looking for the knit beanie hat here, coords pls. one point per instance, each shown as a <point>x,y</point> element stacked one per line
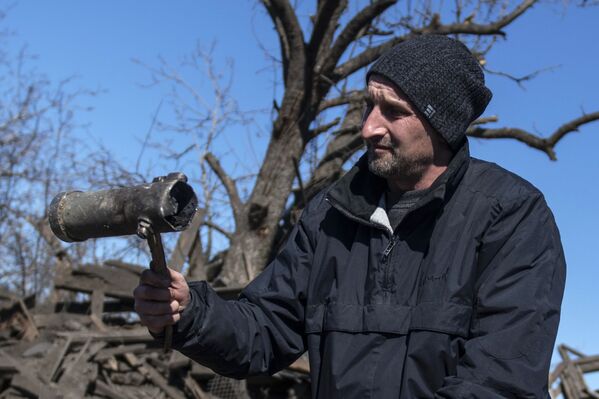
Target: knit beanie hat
<point>442,79</point>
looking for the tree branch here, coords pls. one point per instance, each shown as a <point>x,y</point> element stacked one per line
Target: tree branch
<point>288,29</point>
<point>572,126</point>
<point>520,80</point>
<point>218,228</point>
<point>346,141</point>
<point>325,24</point>
<point>352,31</point>
<point>352,96</point>
<point>300,182</point>
<point>323,128</point>
<point>483,120</point>
<point>546,145</point>
<point>42,225</point>
<point>364,58</point>
<point>465,27</point>
<point>228,183</point>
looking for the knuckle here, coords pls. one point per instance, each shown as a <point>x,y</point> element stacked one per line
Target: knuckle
<point>138,291</point>
<point>151,322</point>
<point>146,274</point>
<point>140,307</point>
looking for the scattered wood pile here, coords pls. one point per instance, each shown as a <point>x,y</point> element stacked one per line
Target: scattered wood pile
<point>91,345</point>
<point>567,379</point>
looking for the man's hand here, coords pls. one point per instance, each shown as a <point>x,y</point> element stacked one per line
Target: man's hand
<point>160,300</point>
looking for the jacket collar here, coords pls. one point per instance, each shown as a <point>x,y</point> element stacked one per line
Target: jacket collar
<point>358,193</point>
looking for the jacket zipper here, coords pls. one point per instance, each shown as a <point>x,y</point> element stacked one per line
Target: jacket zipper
<point>386,264</point>
<point>388,249</point>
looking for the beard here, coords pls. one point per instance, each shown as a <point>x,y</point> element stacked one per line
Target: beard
<point>397,163</point>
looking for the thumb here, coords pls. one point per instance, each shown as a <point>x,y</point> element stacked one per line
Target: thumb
<point>175,276</point>
<point>179,288</point>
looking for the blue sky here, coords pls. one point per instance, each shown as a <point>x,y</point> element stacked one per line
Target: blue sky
<point>97,41</point>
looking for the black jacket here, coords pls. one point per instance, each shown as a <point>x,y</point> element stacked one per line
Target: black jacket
<point>461,301</point>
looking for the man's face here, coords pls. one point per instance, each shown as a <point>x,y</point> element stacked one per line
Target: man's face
<point>400,142</point>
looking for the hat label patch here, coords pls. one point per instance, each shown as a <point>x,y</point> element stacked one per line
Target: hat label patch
<point>429,111</point>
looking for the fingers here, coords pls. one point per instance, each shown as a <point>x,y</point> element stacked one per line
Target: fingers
<point>156,324</point>
<point>150,277</point>
<point>150,308</point>
<point>160,299</point>
<point>154,279</point>
<point>151,293</point>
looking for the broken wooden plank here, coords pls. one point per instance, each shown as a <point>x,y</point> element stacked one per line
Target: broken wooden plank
<point>98,322</point>
<point>33,387</point>
<point>97,302</point>
<point>83,307</point>
<point>152,374</point>
<point>54,369</point>
<point>25,379</point>
<point>119,350</point>
<point>118,336</point>
<point>115,283</point>
<point>161,382</point>
<point>194,388</point>
<point>130,267</point>
<point>104,389</point>
<point>15,317</point>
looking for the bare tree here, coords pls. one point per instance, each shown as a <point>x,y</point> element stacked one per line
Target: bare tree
<point>40,156</point>
<point>320,107</point>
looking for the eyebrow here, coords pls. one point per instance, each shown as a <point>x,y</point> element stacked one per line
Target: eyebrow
<point>380,95</point>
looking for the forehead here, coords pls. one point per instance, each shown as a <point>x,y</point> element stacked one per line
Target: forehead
<point>382,88</point>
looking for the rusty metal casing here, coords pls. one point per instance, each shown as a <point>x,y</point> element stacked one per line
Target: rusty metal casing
<point>168,203</point>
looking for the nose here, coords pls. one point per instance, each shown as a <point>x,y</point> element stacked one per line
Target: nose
<point>373,124</point>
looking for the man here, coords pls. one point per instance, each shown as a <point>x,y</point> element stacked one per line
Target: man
<point>421,273</point>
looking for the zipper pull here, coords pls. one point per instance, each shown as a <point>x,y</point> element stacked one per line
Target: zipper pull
<point>389,248</point>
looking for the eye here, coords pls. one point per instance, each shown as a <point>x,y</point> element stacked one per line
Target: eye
<point>393,112</point>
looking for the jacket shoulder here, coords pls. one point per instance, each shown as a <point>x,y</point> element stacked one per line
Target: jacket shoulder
<point>497,183</point>
<point>315,212</point>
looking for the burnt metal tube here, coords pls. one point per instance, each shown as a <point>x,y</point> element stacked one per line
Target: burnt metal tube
<point>168,204</point>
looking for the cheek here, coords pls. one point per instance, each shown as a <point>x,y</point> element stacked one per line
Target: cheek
<point>411,133</point>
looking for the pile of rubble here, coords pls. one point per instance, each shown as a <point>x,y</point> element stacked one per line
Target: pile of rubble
<point>567,379</point>
<point>91,345</point>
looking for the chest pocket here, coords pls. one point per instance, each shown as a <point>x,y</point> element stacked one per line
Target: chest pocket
<point>444,317</point>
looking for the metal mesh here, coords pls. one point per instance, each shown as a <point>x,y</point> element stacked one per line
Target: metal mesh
<point>227,388</point>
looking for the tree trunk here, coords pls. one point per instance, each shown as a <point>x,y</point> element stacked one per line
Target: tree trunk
<point>254,236</point>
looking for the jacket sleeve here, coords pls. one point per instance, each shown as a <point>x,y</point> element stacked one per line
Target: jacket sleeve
<point>517,306</point>
<point>262,331</point>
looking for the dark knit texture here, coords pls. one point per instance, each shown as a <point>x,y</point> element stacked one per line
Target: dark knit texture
<point>441,78</point>
<point>399,204</point>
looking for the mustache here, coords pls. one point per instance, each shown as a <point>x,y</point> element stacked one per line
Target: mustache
<point>384,141</point>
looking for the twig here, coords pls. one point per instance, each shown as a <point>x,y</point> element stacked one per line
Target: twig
<point>520,80</point>
<point>546,145</point>
<point>147,138</point>
<point>229,184</point>
<point>220,229</point>
<point>434,27</point>
<point>299,181</point>
<point>323,128</point>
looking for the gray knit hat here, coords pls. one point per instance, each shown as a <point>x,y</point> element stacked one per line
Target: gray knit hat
<point>442,79</point>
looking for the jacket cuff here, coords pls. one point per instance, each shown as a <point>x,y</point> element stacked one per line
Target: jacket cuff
<point>192,317</point>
